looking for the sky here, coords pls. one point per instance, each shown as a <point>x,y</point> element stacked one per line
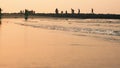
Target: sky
<point>48,6</point>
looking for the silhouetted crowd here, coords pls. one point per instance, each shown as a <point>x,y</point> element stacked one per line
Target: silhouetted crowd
<point>72,11</point>
<point>27,12</point>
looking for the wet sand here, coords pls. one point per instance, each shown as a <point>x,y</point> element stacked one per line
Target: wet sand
<point>28,47</point>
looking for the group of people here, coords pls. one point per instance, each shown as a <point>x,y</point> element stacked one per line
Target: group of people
<point>26,13</point>
<point>72,11</point>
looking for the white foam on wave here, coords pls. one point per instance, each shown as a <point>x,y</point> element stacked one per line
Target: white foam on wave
<point>73,29</point>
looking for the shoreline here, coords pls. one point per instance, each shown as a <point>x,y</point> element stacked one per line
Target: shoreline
<point>42,48</point>
<point>77,16</point>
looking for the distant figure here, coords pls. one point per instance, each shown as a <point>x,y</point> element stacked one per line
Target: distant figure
<point>78,11</point>
<point>56,11</point>
<point>21,12</point>
<point>26,14</point>
<point>0,13</point>
<point>61,12</point>
<point>72,11</point>
<point>66,12</point>
<point>92,11</point>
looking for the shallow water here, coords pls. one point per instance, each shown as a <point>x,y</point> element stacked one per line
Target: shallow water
<point>108,28</point>
<point>59,43</point>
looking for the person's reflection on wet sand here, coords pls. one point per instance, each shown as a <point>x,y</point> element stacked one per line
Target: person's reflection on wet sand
<point>0,21</point>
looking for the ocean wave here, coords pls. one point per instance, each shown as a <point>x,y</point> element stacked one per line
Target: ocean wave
<point>74,29</point>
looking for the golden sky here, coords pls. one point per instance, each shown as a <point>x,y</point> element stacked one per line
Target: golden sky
<point>48,6</point>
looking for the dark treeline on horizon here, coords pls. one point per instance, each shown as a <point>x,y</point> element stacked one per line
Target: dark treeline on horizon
<point>61,14</point>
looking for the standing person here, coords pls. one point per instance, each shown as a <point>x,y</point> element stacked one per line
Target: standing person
<point>56,11</point>
<point>26,14</point>
<point>66,12</point>
<point>61,12</point>
<point>92,11</point>
<point>0,13</point>
<point>72,11</point>
<point>78,11</point>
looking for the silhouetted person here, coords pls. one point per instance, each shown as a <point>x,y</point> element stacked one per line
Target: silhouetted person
<point>61,12</point>
<point>56,11</point>
<point>0,13</point>
<point>92,11</point>
<point>66,12</point>
<point>26,14</point>
<point>78,11</point>
<point>72,11</point>
<point>21,11</point>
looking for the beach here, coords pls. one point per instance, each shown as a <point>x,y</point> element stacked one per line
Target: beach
<point>59,43</point>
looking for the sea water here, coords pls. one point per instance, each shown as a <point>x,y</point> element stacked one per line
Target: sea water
<point>108,28</point>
